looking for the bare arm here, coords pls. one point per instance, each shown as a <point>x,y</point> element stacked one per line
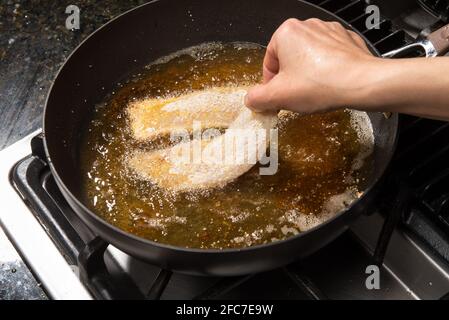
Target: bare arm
<point>414,86</point>
<point>315,66</point>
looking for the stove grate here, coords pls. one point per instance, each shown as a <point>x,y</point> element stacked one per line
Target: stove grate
<point>384,37</point>
<point>439,8</point>
<point>422,161</point>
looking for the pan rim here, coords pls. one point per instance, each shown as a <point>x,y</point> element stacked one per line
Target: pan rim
<point>165,246</point>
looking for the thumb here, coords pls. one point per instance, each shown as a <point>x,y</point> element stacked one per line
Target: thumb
<point>266,97</point>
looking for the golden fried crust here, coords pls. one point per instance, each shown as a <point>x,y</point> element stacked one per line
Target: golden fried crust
<point>163,168</point>
<point>214,108</point>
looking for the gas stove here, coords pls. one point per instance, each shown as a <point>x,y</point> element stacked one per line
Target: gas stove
<point>405,239</point>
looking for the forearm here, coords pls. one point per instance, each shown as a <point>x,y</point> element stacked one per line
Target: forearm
<point>316,66</point>
<point>414,86</point>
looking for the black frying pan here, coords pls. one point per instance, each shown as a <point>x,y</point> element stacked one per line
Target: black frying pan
<point>143,35</point>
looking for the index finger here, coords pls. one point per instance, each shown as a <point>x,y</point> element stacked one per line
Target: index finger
<point>270,62</point>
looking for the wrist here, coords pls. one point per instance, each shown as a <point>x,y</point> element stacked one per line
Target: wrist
<point>389,85</point>
<point>368,89</point>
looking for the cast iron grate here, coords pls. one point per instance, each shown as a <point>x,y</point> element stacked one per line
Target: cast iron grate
<point>384,37</point>
<point>421,161</point>
<point>439,8</point>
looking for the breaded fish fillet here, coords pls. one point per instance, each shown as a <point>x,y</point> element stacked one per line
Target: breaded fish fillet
<point>164,167</point>
<point>214,108</point>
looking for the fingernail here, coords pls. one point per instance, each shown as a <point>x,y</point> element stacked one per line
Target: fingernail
<point>245,101</point>
<point>248,105</point>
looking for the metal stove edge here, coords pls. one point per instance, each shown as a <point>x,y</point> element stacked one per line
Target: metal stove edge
<point>28,236</point>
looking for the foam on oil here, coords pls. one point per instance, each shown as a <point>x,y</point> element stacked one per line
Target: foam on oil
<point>322,162</point>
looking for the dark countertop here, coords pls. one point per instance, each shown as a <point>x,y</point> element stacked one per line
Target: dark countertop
<point>34,42</point>
<point>16,280</point>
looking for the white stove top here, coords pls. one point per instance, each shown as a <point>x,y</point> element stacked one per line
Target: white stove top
<point>410,270</point>
<point>28,236</point>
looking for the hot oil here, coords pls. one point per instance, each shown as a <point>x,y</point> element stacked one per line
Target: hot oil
<point>316,176</point>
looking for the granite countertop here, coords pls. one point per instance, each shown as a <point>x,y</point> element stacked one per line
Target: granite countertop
<point>34,42</point>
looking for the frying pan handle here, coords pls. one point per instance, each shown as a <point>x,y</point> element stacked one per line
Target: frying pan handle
<point>440,40</point>
<point>436,44</point>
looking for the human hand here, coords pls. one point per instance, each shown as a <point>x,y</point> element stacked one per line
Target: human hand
<point>311,66</point>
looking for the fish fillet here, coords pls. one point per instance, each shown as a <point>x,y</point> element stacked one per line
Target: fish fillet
<point>214,108</point>
<point>170,171</point>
